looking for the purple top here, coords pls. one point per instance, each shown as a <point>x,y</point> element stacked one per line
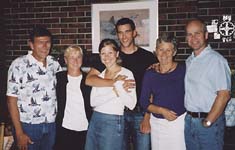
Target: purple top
<point>167,90</point>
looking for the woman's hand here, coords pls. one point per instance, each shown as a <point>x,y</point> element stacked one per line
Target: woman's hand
<point>145,124</point>
<point>168,114</point>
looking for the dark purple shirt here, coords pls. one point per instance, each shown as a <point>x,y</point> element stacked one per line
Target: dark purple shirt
<point>167,90</point>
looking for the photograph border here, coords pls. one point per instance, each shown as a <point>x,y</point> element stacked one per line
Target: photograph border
<point>152,5</point>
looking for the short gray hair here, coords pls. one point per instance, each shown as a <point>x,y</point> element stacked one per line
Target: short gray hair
<point>167,37</point>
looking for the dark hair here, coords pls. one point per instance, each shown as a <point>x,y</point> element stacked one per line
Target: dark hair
<point>202,22</point>
<point>167,37</point>
<point>106,42</point>
<point>124,21</point>
<point>39,31</point>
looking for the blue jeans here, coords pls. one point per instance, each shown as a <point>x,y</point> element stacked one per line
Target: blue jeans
<point>132,132</point>
<point>198,137</point>
<point>105,132</point>
<point>43,135</point>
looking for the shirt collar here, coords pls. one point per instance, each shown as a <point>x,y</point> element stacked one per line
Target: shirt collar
<point>204,52</point>
<point>35,61</point>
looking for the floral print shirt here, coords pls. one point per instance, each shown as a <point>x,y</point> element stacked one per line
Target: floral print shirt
<point>34,86</point>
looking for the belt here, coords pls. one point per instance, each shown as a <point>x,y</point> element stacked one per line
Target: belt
<point>137,109</point>
<point>197,114</point>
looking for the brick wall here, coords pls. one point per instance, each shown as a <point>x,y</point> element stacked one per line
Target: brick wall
<point>70,22</point>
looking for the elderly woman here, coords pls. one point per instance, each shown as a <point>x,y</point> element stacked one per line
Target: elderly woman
<point>106,128</point>
<point>165,84</point>
<point>73,97</point>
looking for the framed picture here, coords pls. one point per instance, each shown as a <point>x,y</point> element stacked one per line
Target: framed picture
<point>143,13</point>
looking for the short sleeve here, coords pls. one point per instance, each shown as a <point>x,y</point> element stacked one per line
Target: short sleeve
<point>14,79</point>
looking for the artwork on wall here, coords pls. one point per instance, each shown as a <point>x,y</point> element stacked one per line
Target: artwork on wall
<point>224,30</point>
<point>143,13</point>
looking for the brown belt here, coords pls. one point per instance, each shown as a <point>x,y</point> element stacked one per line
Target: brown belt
<point>197,114</point>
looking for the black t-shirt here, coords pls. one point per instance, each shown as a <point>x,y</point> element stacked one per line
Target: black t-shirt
<point>137,62</point>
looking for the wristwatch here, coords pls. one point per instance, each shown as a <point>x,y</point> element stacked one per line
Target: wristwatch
<point>206,123</point>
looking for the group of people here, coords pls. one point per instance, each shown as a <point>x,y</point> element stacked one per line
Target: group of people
<point>126,98</point>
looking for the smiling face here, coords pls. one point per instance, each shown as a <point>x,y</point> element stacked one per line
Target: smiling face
<point>41,47</point>
<point>165,52</point>
<point>108,56</point>
<point>74,60</point>
<point>196,36</point>
<point>126,35</point>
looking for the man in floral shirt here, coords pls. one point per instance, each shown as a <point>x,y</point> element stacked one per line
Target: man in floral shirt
<point>31,94</point>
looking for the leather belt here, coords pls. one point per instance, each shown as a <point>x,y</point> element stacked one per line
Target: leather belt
<point>137,109</point>
<point>197,114</point>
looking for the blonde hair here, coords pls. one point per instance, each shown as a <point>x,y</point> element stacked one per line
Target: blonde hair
<point>73,48</point>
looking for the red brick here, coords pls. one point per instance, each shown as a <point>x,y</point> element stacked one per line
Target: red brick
<point>182,4</point>
<point>58,3</point>
<point>203,11</point>
<point>167,10</point>
<point>84,19</point>
<point>65,41</point>
<point>76,3</point>
<point>18,10</point>
<point>206,4</point>
<point>76,14</point>
<point>67,9</point>
<point>167,22</point>
<point>176,28</point>
<point>219,11</point>
<point>59,25</point>
<point>52,20</point>
<point>51,9</point>
<point>80,36</point>
<point>88,35</point>
<point>42,4</point>
<point>20,42</point>
<point>68,20</point>
<point>85,30</point>
<point>177,16</point>
<point>59,14</point>
<point>71,30</point>
<point>228,45</point>
<point>76,25</point>
<point>186,9</point>
<point>34,9</point>
<point>26,4</point>
<point>43,15</point>
<point>227,3</point>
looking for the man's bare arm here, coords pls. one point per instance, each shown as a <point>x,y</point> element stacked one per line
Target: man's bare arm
<point>219,105</point>
<point>14,112</point>
<point>22,139</point>
<point>94,80</point>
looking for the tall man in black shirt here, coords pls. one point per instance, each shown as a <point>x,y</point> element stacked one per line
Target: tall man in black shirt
<point>136,59</point>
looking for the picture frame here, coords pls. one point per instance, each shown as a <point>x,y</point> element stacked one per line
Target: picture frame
<point>143,13</point>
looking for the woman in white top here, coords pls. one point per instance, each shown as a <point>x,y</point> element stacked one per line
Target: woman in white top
<point>73,99</point>
<point>106,127</point>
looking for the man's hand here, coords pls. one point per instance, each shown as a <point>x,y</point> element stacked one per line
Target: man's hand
<point>120,77</point>
<point>145,124</point>
<point>22,141</point>
<point>154,66</point>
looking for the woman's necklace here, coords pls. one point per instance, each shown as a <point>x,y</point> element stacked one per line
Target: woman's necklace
<point>169,70</point>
